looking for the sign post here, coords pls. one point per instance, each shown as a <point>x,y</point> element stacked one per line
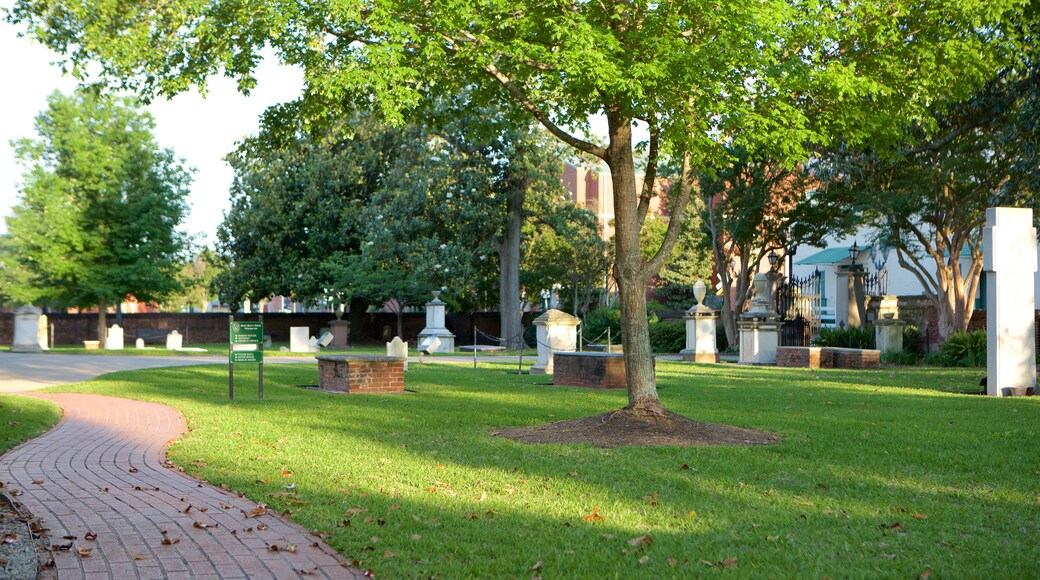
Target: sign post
<point>247,334</point>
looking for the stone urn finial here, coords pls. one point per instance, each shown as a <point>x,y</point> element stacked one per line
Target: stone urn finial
<point>698,292</point>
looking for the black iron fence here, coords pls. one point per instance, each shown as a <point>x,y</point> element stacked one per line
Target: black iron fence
<point>799,301</point>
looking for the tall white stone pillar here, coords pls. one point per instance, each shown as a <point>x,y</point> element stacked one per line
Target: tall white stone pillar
<point>1009,260</point>
<point>26,329</point>
<point>557,331</point>
<point>435,312</point>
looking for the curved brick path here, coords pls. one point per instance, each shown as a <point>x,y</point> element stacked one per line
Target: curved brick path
<point>101,470</point>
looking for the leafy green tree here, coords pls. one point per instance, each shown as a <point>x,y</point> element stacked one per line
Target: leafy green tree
<point>929,203</point>
<point>778,74</point>
<point>97,217</point>
<point>296,208</point>
<point>750,204</point>
<point>196,276</point>
<point>691,259</point>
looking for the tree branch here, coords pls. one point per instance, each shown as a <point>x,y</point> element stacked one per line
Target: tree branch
<point>651,171</point>
<point>675,223</point>
<point>543,118</point>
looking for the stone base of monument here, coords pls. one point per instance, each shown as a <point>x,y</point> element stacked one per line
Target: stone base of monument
<point>360,374</point>
<point>1020,391</point>
<point>92,344</point>
<point>591,370</point>
<point>26,348</point>
<point>700,357</point>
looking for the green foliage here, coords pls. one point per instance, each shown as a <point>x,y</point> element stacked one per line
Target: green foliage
<point>668,337</point>
<point>846,337</point>
<point>912,340</point>
<point>900,357</point>
<point>100,204</point>
<point>938,359</point>
<point>197,280</point>
<point>966,348</point>
<point>596,323</point>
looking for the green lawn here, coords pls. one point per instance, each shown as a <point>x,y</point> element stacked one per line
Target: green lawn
<point>22,418</point>
<point>880,473</point>
<point>272,351</point>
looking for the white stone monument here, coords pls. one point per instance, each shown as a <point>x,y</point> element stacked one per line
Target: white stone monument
<point>1009,260</point>
<point>298,336</point>
<point>557,331</point>
<point>435,325</point>
<point>114,338</point>
<point>174,341</point>
<point>139,343</point>
<point>700,330</point>
<point>888,333</point>
<point>398,348</point>
<point>26,329</point>
<point>759,329</point>
<point>42,333</point>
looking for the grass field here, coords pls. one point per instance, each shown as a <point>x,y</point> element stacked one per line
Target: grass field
<point>271,351</point>
<point>22,418</point>
<point>888,473</point>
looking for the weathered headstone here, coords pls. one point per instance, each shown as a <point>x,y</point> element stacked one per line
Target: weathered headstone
<point>139,343</point>
<point>312,344</point>
<point>26,329</point>
<point>114,338</point>
<point>398,348</point>
<point>700,329</point>
<point>174,340</point>
<point>1009,260</point>
<point>298,336</point>
<point>435,325</point>
<point>557,331</point>
<point>340,332</point>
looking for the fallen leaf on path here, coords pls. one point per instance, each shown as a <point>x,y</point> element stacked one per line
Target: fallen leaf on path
<point>38,481</point>
<point>91,536</point>
<point>133,470</point>
<point>204,525</point>
<point>83,551</point>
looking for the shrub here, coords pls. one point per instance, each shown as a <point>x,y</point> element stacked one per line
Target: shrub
<point>912,340</point>
<point>721,342</point>
<point>846,337</point>
<point>966,349</point>
<point>937,359</point>
<point>596,323</point>
<point>900,357</point>
<point>668,337</point>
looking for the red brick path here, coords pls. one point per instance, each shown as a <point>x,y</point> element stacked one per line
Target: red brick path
<point>118,444</point>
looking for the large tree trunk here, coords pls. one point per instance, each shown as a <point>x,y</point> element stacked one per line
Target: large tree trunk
<point>102,325</point>
<point>628,269</point>
<point>509,276</point>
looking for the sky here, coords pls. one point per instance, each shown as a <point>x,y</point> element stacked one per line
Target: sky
<point>201,131</point>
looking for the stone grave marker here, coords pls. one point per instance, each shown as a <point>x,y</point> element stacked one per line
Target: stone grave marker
<point>298,336</point>
<point>398,348</point>
<point>114,338</point>
<point>174,340</point>
<point>26,329</point>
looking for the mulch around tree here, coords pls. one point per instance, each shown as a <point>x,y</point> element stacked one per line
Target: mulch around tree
<point>626,427</point>
<point>23,543</point>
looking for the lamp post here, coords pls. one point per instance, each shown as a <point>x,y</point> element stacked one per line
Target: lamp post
<point>854,254</point>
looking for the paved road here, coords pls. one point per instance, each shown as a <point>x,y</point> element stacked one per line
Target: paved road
<point>25,371</point>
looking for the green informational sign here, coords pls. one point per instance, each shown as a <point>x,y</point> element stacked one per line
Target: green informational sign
<point>247,356</point>
<point>247,333</point>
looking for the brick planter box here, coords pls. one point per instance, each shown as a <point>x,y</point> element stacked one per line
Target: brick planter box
<point>592,370</point>
<point>827,357</point>
<point>360,374</point>
<point>798,356</point>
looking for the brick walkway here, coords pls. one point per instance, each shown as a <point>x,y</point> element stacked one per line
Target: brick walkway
<point>101,471</point>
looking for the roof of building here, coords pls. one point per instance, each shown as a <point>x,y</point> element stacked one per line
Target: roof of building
<point>831,256</point>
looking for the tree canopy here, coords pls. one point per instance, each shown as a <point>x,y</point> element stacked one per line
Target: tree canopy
<point>776,75</point>
<point>99,208</point>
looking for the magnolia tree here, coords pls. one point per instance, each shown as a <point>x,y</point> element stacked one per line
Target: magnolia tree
<point>782,74</point>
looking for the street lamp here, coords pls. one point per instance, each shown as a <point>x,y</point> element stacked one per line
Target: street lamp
<point>772,257</point>
<point>854,252</point>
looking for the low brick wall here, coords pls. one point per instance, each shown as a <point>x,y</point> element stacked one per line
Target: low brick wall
<point>360,374</point>
<point>592,370</point>
<point>827,357</point>
<point>798,356</point>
